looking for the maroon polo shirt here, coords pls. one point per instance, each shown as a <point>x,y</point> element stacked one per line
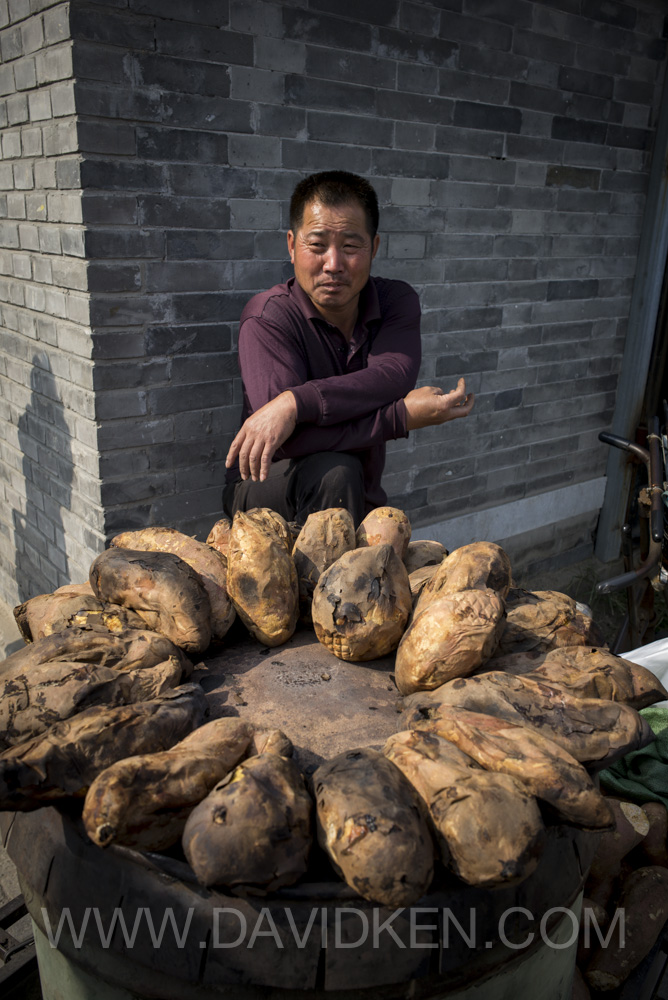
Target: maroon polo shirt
<point>349,395</point>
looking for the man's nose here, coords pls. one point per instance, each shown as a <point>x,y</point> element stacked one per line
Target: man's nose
<point>333,259</point>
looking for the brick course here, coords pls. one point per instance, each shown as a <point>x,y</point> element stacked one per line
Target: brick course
<point>148,154</point>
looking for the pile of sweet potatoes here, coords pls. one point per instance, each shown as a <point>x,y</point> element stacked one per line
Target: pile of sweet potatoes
<point>510,702</point>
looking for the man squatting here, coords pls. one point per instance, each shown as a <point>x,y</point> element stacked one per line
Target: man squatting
<point>329,361</point>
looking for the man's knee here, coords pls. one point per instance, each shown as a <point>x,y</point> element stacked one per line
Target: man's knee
<point>343,472</point>
<point>331,479</point>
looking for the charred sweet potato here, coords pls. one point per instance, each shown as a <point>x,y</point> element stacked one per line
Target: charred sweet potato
<point>361,604</point>
<point>266,740</point>
<point>207,563</point>
<point>71,607</point>
<point>372,825</point>
<point>144,801</point>
<point>631,826</point>
<point>274,523</point>
<point>515,663</point>
<point>644,902</point>
<point>254,828</point>
<point>129,649</point>
<point>65,760</point>
<point>450,638</point>
<point>34,700</point>
<point>326,535</point>
<point>542,620</point>
<point>385,526</point>
<point>418,580</point>
<point>219,536</point>
<point>423,553</point>
<point>488,825</point>
<point>478,566</point>
<point>547,771</point>
<point>262,579</point>
<point>593,731</point>
<point>654,845</point>
<point>591,672</point>
<point>167,593</point>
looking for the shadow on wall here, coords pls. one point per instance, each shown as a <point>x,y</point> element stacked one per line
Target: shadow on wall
<point>39,535</point>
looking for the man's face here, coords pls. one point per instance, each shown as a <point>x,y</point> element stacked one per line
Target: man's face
<point>332,252</point>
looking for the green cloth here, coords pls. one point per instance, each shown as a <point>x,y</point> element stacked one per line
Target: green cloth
<point>642,775</point>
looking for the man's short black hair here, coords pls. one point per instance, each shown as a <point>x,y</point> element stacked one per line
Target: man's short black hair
<point>334,187</point>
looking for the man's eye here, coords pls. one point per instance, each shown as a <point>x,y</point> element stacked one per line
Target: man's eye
<point>317,246</point>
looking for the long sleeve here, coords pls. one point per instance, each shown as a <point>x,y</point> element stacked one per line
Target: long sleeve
<point>391,371</point>
<point>386,424</point>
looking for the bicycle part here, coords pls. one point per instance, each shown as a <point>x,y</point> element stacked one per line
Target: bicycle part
<point>655,487</point>
<point>652,462</point>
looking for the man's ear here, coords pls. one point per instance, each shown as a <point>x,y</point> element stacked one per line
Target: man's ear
<point>376,244</point>
<point>291,245</point>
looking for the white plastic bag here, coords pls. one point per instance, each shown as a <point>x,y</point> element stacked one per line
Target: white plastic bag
<point>654,656</point>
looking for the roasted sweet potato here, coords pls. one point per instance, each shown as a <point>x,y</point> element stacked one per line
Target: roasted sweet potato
<point>262,579</point>
<point>489,825</point>
<point>270,741</point>
<point>254,828</point>
<point>547,771</point>
<point>144,801</point>
<point>644,902</point>
<point>631,826</point>
<point>326,535</point>
<point>418,580</point>
<point>65,760</point>
<point>167,593</point>
<point>596,673</point>
<point>385,526</point>
<point>478,566</point>
<point>593,731</point>
<point>273,522</point>
<point>423,553</point>
<point>545,619</point>
<point>207,563</point>
<point>515,663</point>
<point>32,701</point>
<point>129,649</point>
<point>372,825</point>
<point>71,607</point>
<point>450,638</point>
<point>219,536</point>
<point>654,845</point>
<point>361,604</point>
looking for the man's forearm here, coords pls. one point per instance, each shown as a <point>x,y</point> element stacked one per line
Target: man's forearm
<point>387,424</point>
<point>327,402</point>
<point>261,434</point>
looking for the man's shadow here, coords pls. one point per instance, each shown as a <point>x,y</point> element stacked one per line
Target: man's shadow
<point>44,438</point>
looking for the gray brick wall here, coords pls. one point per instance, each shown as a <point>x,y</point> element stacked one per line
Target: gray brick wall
<point>509,144</point>
<point>51,516</point>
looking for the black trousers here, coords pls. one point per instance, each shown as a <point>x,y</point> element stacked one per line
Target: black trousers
<point>296,488</point>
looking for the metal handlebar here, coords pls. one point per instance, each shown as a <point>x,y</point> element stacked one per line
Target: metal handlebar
<point>651,459</point>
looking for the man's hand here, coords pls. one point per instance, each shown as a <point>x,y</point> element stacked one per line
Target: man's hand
<point>261,434</point>
<point>429,405</point>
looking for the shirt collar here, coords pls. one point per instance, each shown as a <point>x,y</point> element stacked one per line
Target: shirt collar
<point>369,307</point>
